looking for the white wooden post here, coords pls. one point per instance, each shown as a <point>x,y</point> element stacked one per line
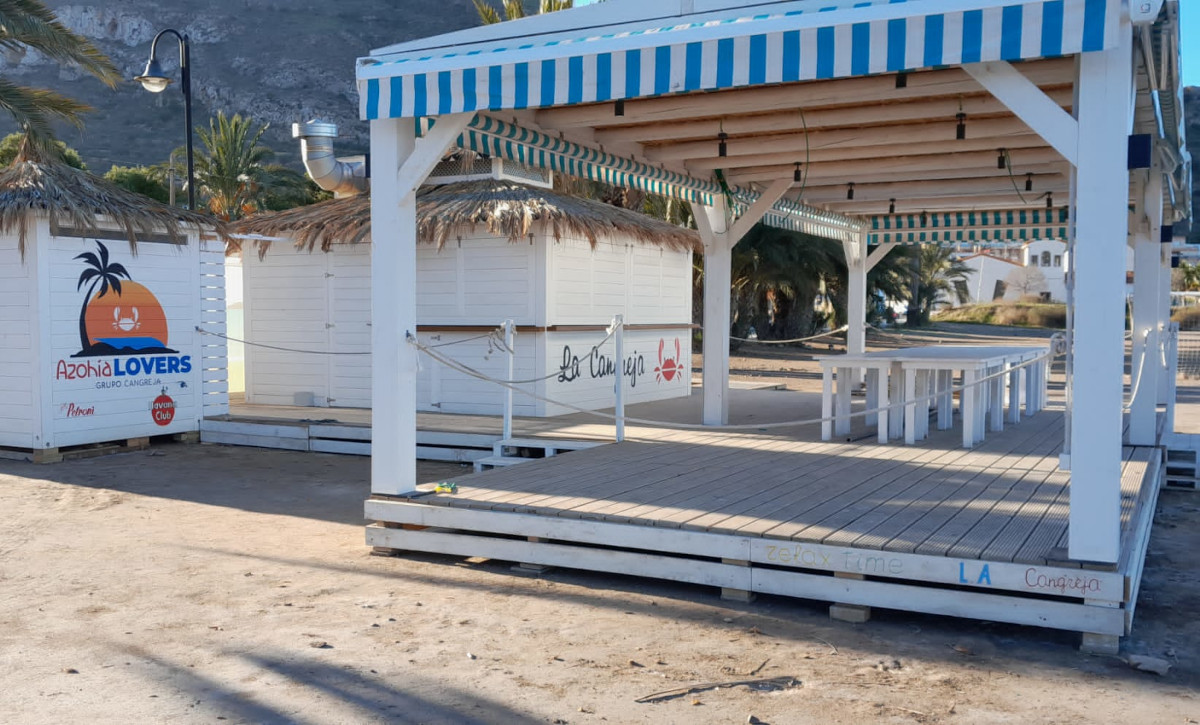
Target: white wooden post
<point>856,298</point>
<point>618,326</point>
<point>510,344</point>
<point>1146,358</point>
<point>393,311</point>
<point>1103,111</point>
<point>400,164</point>
<point>718,256</point>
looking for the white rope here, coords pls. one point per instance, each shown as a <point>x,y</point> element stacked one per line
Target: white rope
<point>841,329</point>
<point>465,369</point>
<point>1056,349</point>
<point>202,331</point>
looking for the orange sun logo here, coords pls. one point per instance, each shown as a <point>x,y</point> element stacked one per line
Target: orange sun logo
<point>118,316</point>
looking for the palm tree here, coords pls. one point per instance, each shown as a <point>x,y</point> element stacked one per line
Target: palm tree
<point>939,277</point>
<point>1190,274</point>
<point>99,272</point>
<point>29,24</point>
<point>515,9</point>
<point>230,171</point>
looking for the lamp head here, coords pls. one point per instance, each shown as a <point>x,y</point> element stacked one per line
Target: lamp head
<point>153,79</point>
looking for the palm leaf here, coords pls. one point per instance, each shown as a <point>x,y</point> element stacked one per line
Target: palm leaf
<point>487,13</point>
<point>118,270</point>
<point>103,257</point>
<point>34,109</point>
<point>115,283</point>
<point>87,275</point>
<point>91,259</point>
<point>32,24</point>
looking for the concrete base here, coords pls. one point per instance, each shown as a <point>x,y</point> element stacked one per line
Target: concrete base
<point>1100,644</point>
<point>524,568</point>
<point>384,551</point>
<point>738,595</point>
<point>851,613</point>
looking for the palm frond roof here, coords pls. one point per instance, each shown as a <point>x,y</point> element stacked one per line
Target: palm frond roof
<point>38,183</point>
<point>504,208</point>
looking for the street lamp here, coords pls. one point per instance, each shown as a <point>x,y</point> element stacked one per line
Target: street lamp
<point>154,80</point>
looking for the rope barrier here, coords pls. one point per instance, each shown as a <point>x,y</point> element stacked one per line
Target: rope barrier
<point>1057,348</point>
<point>202,331</point>
<point>840,330</point>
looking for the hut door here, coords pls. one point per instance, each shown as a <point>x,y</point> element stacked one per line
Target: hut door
<point>348,276</point>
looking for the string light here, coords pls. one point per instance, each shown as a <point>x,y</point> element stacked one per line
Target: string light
<point>1002,160</point>
<point>960,133</point>
<point>902,80</point>
<point>797,176</point>
<point>1029,181</point>
<point>850,190</point>
<point>1049,200</point>
<point>891,206</point>
<point>619,107</point>
<point>722,147</point>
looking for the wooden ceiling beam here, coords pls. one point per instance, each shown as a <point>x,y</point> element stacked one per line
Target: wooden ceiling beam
<point>950,82</point>
<point>831,174</point>
<point>791,120</point>
<point>1019,158</point>
<point>917,204</point>
<point>703,165</point>
<point>995,131</point>
<point>932,189</point>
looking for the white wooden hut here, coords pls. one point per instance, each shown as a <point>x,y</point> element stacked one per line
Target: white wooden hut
<point>494,248</point>
<point>101,294</point>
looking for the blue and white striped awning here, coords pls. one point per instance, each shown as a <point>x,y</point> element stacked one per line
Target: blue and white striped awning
<point>736,47</point>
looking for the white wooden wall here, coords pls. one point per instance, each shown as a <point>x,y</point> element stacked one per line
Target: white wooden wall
<point>318,301</point>
<point>19,365</point>
<point>286,299</point>
<point>117,402</point>
<point>658,365</point>
<point>214,351</point>
<point>646,284</point>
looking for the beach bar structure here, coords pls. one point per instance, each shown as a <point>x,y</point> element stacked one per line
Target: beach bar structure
<point>869,121</point>
<point>101,294</point>
<point>494,248</point>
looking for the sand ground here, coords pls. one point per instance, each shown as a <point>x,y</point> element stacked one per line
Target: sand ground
<point>206,584</point>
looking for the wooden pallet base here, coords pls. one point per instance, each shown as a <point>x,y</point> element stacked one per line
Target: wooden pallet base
<point>67,453</point>
<point>697,559</point>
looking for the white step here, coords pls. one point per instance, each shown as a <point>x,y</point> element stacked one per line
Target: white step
<point>550,445</point>
<point>489,462</point>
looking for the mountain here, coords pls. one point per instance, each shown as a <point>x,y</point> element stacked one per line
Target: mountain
<point>280,61</point>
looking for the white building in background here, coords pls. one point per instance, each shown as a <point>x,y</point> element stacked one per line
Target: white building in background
<point>1049,257</point>
<point>987,281</point>
<point>1039,271</point>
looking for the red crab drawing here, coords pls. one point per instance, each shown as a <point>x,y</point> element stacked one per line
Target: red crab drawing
<point>669,368</point>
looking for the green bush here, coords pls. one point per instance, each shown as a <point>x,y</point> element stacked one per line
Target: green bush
<point>1187,317</point>
<point>1050,315</point>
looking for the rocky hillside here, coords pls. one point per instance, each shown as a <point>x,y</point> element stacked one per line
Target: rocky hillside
<point>278,60</point>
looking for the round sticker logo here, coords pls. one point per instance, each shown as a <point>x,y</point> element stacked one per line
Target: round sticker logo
<point>163,409</point>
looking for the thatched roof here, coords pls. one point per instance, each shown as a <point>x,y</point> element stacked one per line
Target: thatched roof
<point>504,208</point>
<point>37,182</point>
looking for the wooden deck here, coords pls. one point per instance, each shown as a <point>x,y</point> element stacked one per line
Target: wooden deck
<point>934,528</point>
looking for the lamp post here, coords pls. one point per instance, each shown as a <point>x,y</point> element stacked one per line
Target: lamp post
<point>154,80</point>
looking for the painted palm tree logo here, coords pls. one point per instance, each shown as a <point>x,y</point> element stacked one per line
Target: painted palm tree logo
<point>117,317</point>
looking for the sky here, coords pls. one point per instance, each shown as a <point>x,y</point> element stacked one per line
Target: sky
<point>1189,16</point>
<point>1189,34</point>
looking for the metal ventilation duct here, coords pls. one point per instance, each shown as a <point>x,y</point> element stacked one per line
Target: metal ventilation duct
<point>343,178</point>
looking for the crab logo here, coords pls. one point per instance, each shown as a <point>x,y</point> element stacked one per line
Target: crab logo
<point>125,324</point>
<point>668,368</point>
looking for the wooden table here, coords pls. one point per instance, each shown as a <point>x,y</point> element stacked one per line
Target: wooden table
<point>927,373</point>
